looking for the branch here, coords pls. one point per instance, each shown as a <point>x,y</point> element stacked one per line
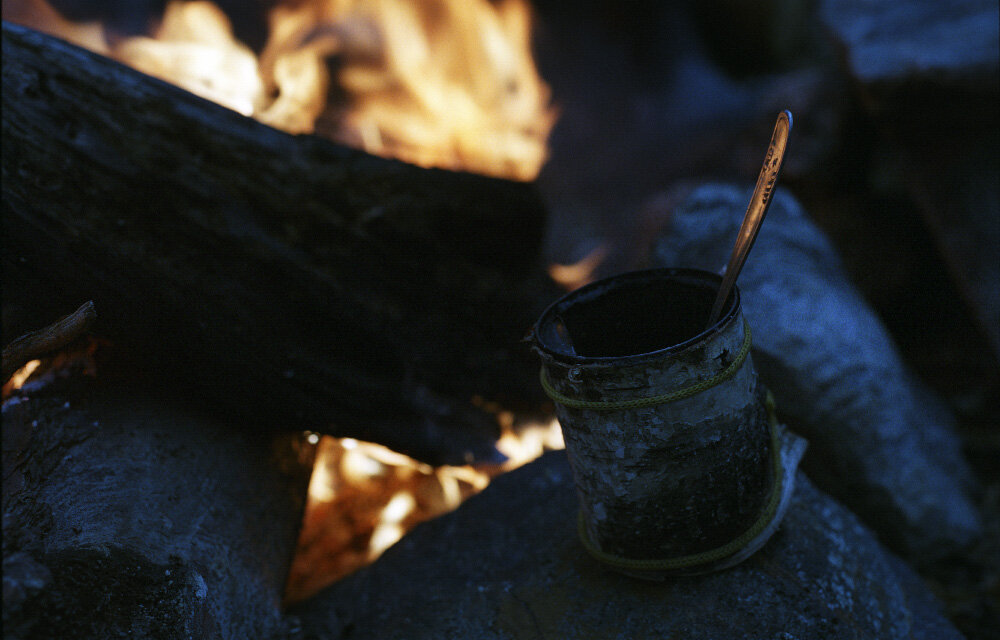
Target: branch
<point>44,341</point>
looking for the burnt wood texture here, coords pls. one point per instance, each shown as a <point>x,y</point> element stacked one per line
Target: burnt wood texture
<point>45,341</point>
<point>295,282</point>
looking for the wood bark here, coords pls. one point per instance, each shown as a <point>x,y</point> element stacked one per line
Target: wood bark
<point>126,515</point>
<point>295,282</point>
<point>679,477</point>
<point>44,341</point>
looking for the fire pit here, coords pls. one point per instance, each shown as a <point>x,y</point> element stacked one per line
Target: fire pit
<point>336,280</point>
<point>319,289</point>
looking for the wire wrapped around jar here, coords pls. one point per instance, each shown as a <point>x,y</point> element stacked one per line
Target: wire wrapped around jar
<point>679,464</point>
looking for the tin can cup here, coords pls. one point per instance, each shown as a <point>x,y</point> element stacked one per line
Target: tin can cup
<point>678,463</point>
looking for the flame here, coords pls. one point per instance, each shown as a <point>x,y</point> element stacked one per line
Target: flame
<point>390,528</point>
<point>573,276</point>
<point>39,15</point>
<point>442,83</point>
<point>194,48</point>
<point>20,376</point>
<point>453,86</point>
<point>528,443</point>
<point>78,358</point>
<point>364,497</point>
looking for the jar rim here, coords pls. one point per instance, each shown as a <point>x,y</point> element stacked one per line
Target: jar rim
<point>550,333</point>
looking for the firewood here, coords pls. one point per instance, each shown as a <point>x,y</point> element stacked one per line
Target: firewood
<point>295,282</point>
<point>53,337</point>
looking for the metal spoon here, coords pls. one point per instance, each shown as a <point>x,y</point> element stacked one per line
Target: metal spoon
<point>759,202</point>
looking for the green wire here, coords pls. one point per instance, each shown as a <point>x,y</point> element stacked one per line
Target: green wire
<point>639,403</point>
<point>684,562</point>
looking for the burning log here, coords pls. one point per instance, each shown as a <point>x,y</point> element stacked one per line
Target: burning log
<point>129,515</point>
<point>289,279</point>
<point>55,336</point>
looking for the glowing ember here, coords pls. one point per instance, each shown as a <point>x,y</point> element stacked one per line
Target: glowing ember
<point>364,497</point>
<point>76,358</point>
<point>444,83</point>
<point>20,377</point>
<point>573,276</point>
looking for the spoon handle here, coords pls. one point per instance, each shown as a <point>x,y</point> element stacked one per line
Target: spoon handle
<point>756,210</point>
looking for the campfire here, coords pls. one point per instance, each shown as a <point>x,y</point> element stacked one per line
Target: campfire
<point>364,497</point>
<point>316,234</point>
<point>442,83</point>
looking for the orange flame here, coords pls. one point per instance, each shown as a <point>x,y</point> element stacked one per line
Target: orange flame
<point>364,497</point>
<point>194,48</point>
<point>39,15</point>
<point>443,83</point>
<point>573,276</point>
<point>452,85</point>
<point>20,376</point>
<point>76,358</point>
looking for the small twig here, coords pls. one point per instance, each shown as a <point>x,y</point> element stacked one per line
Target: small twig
<point>55,336</point>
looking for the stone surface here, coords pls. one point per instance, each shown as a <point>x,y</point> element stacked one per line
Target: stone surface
<point>135,516</point>
<point>961,203</point>
<point>951,174</point>
<point>507,564</point>
<point>890,42</point>
<point>879,440</point>
<point>928,74</point>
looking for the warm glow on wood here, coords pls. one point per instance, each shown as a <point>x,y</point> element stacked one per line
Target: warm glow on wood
<point>441,83</point>
<point>21,375</point>
<point>364,497</point>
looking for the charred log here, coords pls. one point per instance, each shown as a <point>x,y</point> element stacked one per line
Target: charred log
<point>289,279</point>
<point>125,515</point>
<point>55,336</point>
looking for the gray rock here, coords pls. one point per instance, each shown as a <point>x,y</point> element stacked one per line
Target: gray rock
<point>23,577</point>
<point>958,193</point>
<point>507,564</point>
<point>929,73</point>
<point>879,440</point>
<point>892,42</point>
<point>131,515</point>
